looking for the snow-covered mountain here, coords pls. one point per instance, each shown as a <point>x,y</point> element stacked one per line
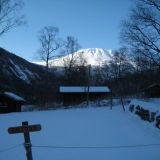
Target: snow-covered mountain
<point>17,68</point>
<point>93,56</point>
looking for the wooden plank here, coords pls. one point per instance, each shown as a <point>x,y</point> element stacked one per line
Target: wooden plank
<point>24,129</point>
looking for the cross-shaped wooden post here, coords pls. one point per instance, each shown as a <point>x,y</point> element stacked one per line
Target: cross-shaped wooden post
<point>26,129</point>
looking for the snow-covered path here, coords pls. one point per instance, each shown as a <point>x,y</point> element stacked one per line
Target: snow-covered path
<point>90,127</point>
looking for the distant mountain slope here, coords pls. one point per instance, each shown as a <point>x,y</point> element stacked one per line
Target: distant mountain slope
<point>21,76</point>
<point>93,56</point>
<point>16,67</point>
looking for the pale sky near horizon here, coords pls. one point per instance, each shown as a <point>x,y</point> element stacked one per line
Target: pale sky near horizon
<point>95,23</point>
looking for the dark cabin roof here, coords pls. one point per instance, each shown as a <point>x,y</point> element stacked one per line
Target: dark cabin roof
<point>152,86</point>
<point>84,89</point>
<point>12,96</point>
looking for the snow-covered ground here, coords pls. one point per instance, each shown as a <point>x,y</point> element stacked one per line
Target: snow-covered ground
<point>152,105</point>
<point>82,127</point>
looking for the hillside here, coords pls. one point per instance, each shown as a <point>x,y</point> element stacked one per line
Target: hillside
<point>75,134</point>
<point>21,76</point>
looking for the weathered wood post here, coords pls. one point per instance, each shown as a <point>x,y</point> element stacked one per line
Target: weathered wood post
<point>111,100</point>
<point>27,141</point>
<point>26,129</point>
<point>89,73</point>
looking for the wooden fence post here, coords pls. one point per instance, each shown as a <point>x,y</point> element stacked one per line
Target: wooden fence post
<point>26,129</point>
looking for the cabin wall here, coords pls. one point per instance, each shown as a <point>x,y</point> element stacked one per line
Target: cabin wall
<point>77,98</point>
<point>152,92</point>
<point>7,105</point>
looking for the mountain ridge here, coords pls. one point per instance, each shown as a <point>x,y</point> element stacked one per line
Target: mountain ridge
<point>22,77</point>
<point>92,56</point>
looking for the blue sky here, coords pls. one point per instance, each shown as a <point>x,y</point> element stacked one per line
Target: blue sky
<point>95,23</point>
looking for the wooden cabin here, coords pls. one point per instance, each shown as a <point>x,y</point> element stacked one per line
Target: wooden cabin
<point>76,94</point>
<point>152,91</point>
<point>10,102</point>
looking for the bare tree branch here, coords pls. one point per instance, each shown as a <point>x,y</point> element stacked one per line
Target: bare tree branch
<point>70,47</point>
<point>50,43</point>
<point>10,16</point>
<point>142,29</point>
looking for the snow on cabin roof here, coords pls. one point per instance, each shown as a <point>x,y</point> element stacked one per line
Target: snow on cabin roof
<point>80,89</point>
<point>13,96</point>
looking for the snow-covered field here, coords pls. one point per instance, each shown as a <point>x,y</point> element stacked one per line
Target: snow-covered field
<point>114,134</point>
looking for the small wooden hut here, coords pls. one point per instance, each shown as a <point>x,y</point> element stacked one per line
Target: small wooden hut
<point>152,91</point>
<point>76,94</point>
<point>10,102</point>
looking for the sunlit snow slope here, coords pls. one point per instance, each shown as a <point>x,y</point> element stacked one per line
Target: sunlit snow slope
<point>93,56</point>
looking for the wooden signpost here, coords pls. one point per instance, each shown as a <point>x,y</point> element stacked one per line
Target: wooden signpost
<point>26,129</point>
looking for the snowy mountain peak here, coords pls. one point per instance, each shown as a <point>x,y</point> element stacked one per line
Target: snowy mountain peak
<point>93,56</point>
<point>94,51</point>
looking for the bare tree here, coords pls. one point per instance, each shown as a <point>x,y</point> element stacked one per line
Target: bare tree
<point>120,66</point>
<point>71,45</point>
<point>120,63</point>
<point>10,15</point>
<point>99,75</point>
<point>143,63</point>
<point>50,43</point>
<point>75,72</point>
<point>141,31</point>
